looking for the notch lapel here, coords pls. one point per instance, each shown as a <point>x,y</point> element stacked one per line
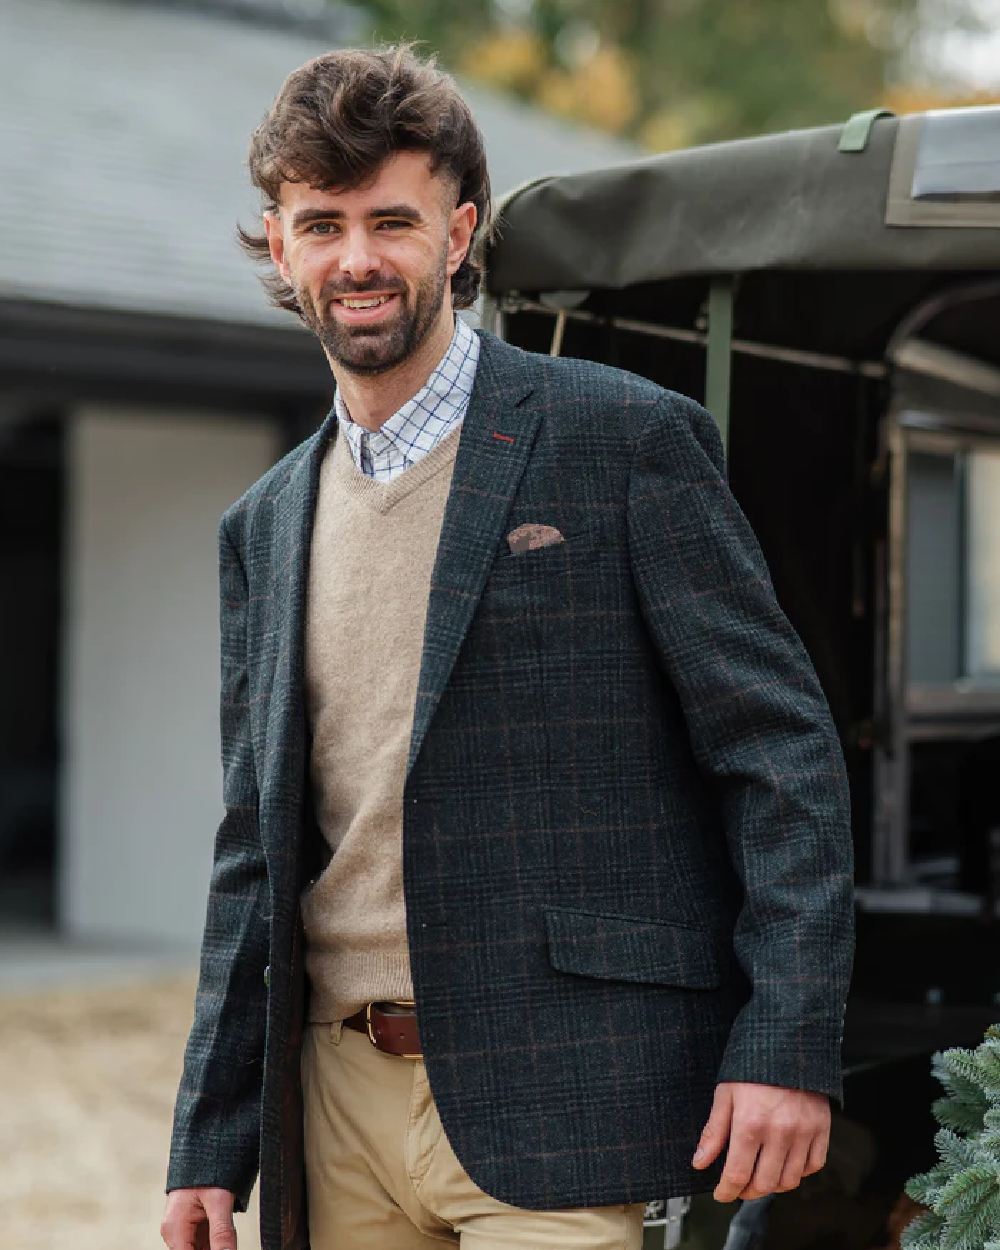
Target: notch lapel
<point>494,444</point>
<point>293,508</point>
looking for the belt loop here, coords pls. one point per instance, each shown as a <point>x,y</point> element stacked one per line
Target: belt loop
<point>336,1031</point>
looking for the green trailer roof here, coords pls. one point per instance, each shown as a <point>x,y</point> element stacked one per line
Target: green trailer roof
<point>921,194</point>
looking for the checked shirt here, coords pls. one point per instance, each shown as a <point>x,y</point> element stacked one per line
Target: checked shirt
<point>424,420</point>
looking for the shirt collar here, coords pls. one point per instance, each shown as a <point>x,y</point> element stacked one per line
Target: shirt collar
<point>447,387</point>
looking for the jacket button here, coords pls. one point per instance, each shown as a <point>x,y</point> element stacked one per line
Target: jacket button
<point>267,976</point>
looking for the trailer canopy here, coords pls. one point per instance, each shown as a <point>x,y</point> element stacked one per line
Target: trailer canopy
<point>922,193</point>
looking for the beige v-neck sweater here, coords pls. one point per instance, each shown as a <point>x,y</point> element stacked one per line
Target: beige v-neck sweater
<point>373,549</point>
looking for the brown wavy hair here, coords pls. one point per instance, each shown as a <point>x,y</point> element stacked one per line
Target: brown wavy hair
<point>341,115</point>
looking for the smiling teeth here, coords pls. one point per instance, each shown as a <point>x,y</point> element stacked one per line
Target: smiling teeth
<point>364,303</point>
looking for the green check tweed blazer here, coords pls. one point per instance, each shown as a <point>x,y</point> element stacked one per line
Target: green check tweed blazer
<point>626,847</point>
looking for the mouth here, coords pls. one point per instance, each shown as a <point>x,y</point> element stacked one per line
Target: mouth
<point>363,309</point>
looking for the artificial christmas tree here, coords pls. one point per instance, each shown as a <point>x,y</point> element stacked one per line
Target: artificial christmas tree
<point>962,1191</point>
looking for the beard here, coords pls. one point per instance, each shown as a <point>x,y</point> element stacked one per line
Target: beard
<point>370,349</point>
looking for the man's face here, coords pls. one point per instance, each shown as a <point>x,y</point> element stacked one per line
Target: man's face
<point>371,267</point>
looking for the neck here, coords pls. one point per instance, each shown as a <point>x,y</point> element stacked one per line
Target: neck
<point>371,399</point>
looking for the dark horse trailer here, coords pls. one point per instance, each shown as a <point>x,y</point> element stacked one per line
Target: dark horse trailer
<point>833,297</point>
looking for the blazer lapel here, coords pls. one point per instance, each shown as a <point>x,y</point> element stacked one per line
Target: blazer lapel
<point>495,442</point>
<point>293,508</point>
<point>494,445</point>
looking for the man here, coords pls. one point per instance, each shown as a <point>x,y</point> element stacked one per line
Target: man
<point>499,643</point>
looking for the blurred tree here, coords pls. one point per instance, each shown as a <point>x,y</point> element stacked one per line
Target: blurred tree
<point>909,99</point>
<point>674,72</point>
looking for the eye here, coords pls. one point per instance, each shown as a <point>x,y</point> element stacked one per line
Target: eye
<point>321,227</point>
<point>393,224</point>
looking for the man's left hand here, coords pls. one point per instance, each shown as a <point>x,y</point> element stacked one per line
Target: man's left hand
<point>776,1137</point>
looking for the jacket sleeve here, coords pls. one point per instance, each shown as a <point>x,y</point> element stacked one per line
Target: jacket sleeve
<point>216,1130</point>
<point>763,738</point>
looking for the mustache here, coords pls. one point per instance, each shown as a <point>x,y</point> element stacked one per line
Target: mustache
<point>334,290</point>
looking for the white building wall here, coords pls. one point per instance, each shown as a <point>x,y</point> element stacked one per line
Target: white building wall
<point>141,782</point>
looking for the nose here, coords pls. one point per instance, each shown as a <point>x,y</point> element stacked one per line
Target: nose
<point>358,259</point>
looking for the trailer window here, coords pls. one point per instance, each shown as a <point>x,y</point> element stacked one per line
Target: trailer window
<point>933,574</point>
<point>957,156</point>
<point>946,169</point>
<point>953,566</point>
<point>982,642</point>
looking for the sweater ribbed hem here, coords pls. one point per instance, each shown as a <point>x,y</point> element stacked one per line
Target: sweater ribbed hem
<point>335,992</point>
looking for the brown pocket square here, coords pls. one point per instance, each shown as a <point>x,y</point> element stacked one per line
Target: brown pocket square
<point>529,537</point>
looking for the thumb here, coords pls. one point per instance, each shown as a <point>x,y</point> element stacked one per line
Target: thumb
<point>716,1130</point>
<point>218,1204</point>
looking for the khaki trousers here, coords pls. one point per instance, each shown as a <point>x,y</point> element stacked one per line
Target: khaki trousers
<point>381,1174</point>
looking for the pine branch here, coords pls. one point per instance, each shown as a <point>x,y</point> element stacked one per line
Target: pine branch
<point>964,1103</point>
<point>923,1233</point>
<point>967,1213</point>
<point>957,1071</point>
<point>987,1062</point>
<point>963,1188</point>
<point>966,1065</point>
<point>957,1153</point>
<point>988,1150</point>
<point>959,1114</point>
<point>967,1191</point>
<point>926,1186</point>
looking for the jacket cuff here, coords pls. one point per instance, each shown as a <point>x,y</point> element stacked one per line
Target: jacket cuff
<point>795,1055</point>
<point>188,1173</point>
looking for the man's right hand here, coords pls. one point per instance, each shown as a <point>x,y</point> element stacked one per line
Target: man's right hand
<point>199,1219</point>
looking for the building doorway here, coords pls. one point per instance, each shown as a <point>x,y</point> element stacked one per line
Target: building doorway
<point>32,472</point>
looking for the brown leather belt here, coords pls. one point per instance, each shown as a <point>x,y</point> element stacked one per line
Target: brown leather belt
<point>393,1031</point>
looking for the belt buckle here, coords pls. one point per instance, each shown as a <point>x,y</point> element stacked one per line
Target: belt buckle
<point>395,1002</point>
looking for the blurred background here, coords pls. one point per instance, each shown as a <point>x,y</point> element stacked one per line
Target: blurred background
<point>137,351</point>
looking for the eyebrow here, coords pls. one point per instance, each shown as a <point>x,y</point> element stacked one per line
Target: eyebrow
<point>306,216</point>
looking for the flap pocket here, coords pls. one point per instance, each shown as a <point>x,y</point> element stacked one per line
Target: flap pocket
<point>576,544</point>
<point>631,948</point>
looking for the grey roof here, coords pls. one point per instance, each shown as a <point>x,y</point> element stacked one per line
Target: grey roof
<point>123,137</point>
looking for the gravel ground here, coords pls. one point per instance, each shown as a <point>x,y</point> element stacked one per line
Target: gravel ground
<point>89,1079</point>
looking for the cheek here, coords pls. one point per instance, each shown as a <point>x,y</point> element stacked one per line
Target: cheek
<point>311,271</point>
<point>414,259</point>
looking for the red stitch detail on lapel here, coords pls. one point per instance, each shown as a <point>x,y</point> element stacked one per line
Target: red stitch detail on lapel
<point>506,438</point>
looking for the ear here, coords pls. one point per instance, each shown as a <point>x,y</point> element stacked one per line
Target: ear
<point>276,242</point>
<point>461,227</point>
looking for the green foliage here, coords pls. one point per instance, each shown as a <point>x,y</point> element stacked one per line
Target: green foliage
<point>962,1191</point>
<point>924,1233</point>
<point>670,73</point>
<point>964,1106</point>
<point>925,1187</point>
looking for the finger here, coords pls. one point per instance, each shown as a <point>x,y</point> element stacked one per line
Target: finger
<point>767,1169</point>
<point>222,1234</point>
<point>716,1130</point>
<point>219,1209</point>
<point>795,1166</point>
<point>740,1160</point>
<point>179,1229</point>
<point>816,1158</point>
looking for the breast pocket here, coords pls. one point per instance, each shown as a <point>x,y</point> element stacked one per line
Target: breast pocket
<point>575,551</point>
